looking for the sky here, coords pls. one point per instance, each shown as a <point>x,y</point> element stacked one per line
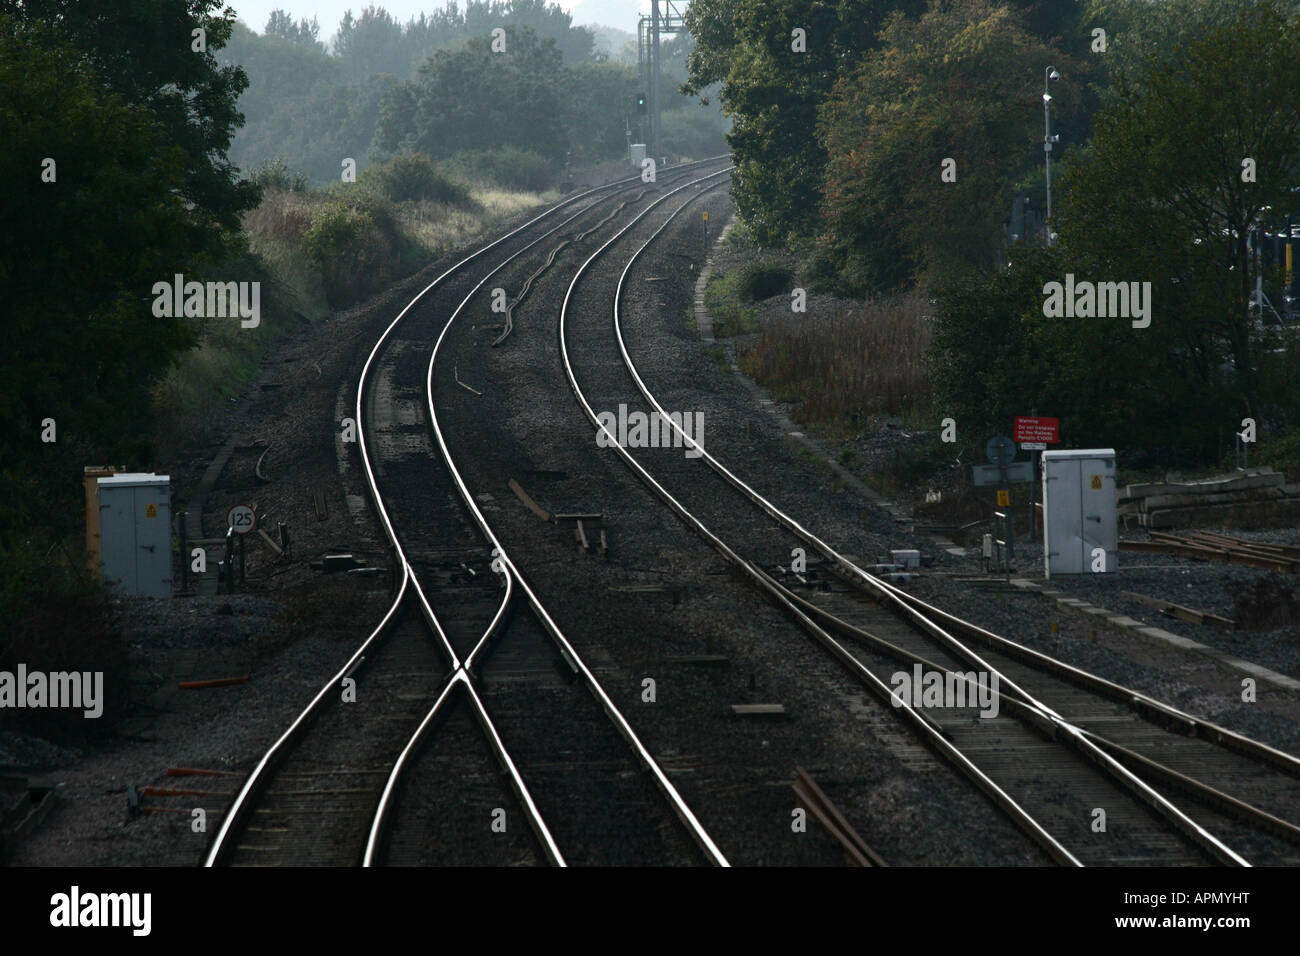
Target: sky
<point>254,13</point>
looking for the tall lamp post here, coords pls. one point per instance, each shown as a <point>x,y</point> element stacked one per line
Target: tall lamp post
<point>1049,74</point>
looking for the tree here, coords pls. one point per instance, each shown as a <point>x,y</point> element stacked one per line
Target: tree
<point>304,31</point>
<point>472,99</point>
<point>1158,197</point>
<point>372,43</point>
<point>774,93</point>
<point>1162,194</point>
<point>961,83</point>
<point>143,51</point>
<point>88,237</point>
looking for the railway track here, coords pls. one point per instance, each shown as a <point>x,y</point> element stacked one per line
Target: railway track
<point>406,722</point>
<point>1050,766</point>
<point>489,691</point>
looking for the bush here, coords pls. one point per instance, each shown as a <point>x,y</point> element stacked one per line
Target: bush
<point>275,174</point>
<point>1281,451</point>
<point>334,230</point>
<point>722,299</point>
<point>762,280</point>
<point>357,245</point>
<point>410,177</point>
<point>508,167</point>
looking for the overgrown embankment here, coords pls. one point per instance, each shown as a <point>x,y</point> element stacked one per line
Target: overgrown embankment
<point>320,251</point>
<point>314,252</point>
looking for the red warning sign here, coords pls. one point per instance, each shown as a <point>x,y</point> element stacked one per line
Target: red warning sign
<point>1046,430</point>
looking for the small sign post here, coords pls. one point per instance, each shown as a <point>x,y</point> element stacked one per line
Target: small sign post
<point>242,520</point>
<point>1034,435</point>
<point>1003,471</point>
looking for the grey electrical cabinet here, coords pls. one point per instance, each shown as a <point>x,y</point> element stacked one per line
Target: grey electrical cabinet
<point>135,526</point>
<point>1080,532</point>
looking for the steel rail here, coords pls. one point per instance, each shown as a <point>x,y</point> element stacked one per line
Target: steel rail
<point>1018,813</point>
<point>461,669</point>
<point>239,807</point>
<point>1139,787</point>
<point>1146,705</point>
<point>683,811</point>
<point>1201,792</point>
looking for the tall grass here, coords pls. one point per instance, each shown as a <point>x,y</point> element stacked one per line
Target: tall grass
<point>321,250</point>
<point>851,365</point>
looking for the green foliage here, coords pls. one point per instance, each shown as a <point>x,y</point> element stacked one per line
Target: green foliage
<point>692,133</point>
<point>774,94</point>
<point>275,174</point>
<point>303,31</point>
<point>337,240</point>
<point>319,106</point>
<point>1281,451</point>
<point>300,104</point>
<point>756,281</point>
<point>140,50</point>
<point>783,139</point>
<point>412,176</point>
<point>472,99</point>
<point>996,355</point>
<point>137,124</point>
<point>596,98</point>
<point>112,224</point>
<point>1187,120</point>
<point>375,42</point>
<point>722,299</point>
<point>1141,35</point>
<point>1157,197</point>
<point>357,242</point>
<point>963,81</point>
<point>507,167</point>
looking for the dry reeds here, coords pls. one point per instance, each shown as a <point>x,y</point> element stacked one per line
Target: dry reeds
<point>848,365</point>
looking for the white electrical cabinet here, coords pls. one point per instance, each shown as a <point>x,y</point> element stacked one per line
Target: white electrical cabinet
<point>637,154</point>
<point>1080,530</point>
<point>135,526</point>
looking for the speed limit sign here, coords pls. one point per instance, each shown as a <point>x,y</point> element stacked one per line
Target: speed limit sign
<point>241,519</point>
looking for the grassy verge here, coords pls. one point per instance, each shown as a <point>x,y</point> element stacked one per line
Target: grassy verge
<point>318,251</point>
<point>731,316</point>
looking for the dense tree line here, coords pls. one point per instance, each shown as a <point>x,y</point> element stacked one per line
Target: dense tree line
<point>115,131</point>
<point>1161,195</point>
<point>843,152</point>
<point>435,84</point>
<point>776,85</point>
